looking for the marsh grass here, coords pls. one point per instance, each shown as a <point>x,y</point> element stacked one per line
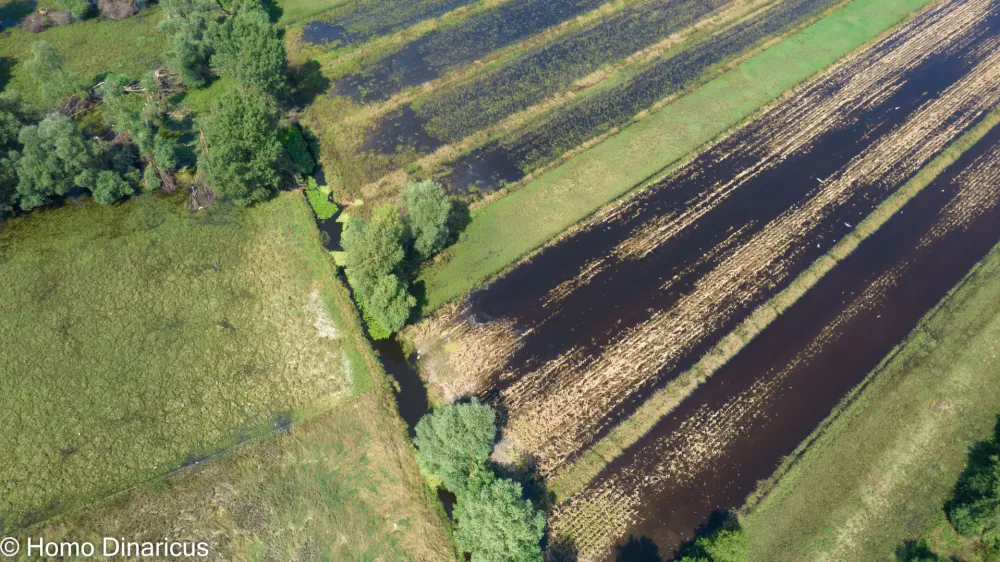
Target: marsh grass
<point>575,476</point>
<point>142,338</point>
<point>92,48</point>
<point>336,487</point>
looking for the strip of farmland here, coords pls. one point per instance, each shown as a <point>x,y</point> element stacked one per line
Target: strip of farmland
<point>573,341</point>
<point>580,120</point>
<point>356,22</point>
<point>734,430</point>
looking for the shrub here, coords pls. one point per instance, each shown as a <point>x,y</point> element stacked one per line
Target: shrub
<point>427,209</point>
<point>244,152</point>
<point>320,201</point>
<point>79,9</point>
<point>454,441</point>
<point>298,150</point>
<point>975,508</point>
<point>724,545</point>
<point>111,187</point>
<point>496,525</point>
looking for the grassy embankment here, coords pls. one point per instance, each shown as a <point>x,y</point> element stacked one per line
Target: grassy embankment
<point>881,468</point>
<point>144,338</point>
<point>593,460</point>
<point>548,205</point>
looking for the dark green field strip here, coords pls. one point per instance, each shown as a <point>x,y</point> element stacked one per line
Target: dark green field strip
<point>531,78</point>
<point>569,126</point>
<point>437,52</point>
<point>359,21</point>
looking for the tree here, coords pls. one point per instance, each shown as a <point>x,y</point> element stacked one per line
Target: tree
<point>975,508</point>
<point>243,151</point>
<point>193,26</point>
<point>159,152</point>
<point>54,160</point>
<point>15,113</point>
<point>250,51</point>
<point>79,9</point>
<point>496,525</point>
<point>54,82</point>
<point>724,545</point>
<point>390,303</point>
<point>427,209</point>
<point>454,441</point>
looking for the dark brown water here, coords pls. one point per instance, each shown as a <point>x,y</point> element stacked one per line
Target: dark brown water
<point>829,365</point>
<point>629,292</point>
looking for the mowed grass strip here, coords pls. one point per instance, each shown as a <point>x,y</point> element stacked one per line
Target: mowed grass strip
<point>576,475</point>
<point>881,469</point>
<point>339,486</point>
<point>142,337</point>
<point>527,218</point>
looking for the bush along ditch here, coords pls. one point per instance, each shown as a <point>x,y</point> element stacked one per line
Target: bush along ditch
<point>383,252</point>
<point>493,520</point>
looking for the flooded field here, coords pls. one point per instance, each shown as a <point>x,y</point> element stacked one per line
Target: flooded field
<point>359,21</point>
<point>707,456</point>
<point>573,341</point>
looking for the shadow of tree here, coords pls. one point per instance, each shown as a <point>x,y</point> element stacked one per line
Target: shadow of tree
<point>308,82</point>
<point>12,12</point>
<point>641,549</point>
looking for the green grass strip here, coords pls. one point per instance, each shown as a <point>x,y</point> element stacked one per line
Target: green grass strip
<point>527,218</point>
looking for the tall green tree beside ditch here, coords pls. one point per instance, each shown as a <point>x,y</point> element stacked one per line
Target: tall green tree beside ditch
<point>243,153</point>
<point>250,51</point>
<point>374,267</point>
<point>54,159</point>
<point>193,26</point>
<point>495,522</point>
<point>427,209</point>
<point>46,68</point>
<point>723,545</point>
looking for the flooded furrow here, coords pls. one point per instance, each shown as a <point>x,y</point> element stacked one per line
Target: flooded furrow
<point>528,79</point>
<point>437,52</point>
<point>356,22</point>
<point>581,120</point>
<point>708,455</point>
<point>572,341</point>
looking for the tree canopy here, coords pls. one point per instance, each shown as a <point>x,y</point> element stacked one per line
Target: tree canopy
<point>496,525</point>
<point>55,158</point>
<point>724,545</point>
<point>427,209</point>
<point>243,151</point>
<point>193,26</point>
<point>250,51</point>
<point>975,508</point>
<point>15,113</point>
<point>454,441</point>
<point>54,82</point>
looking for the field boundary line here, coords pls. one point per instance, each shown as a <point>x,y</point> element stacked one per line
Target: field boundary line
<point>477,273</point>
<point>574,477</point>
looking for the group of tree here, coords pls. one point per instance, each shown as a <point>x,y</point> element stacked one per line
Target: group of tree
<point>382,251</point>
<point>494,522</point>
<point>44,157</point>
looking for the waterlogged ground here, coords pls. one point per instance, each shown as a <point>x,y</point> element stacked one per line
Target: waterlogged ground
<point>708,455</point>
<point>573,340</point>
